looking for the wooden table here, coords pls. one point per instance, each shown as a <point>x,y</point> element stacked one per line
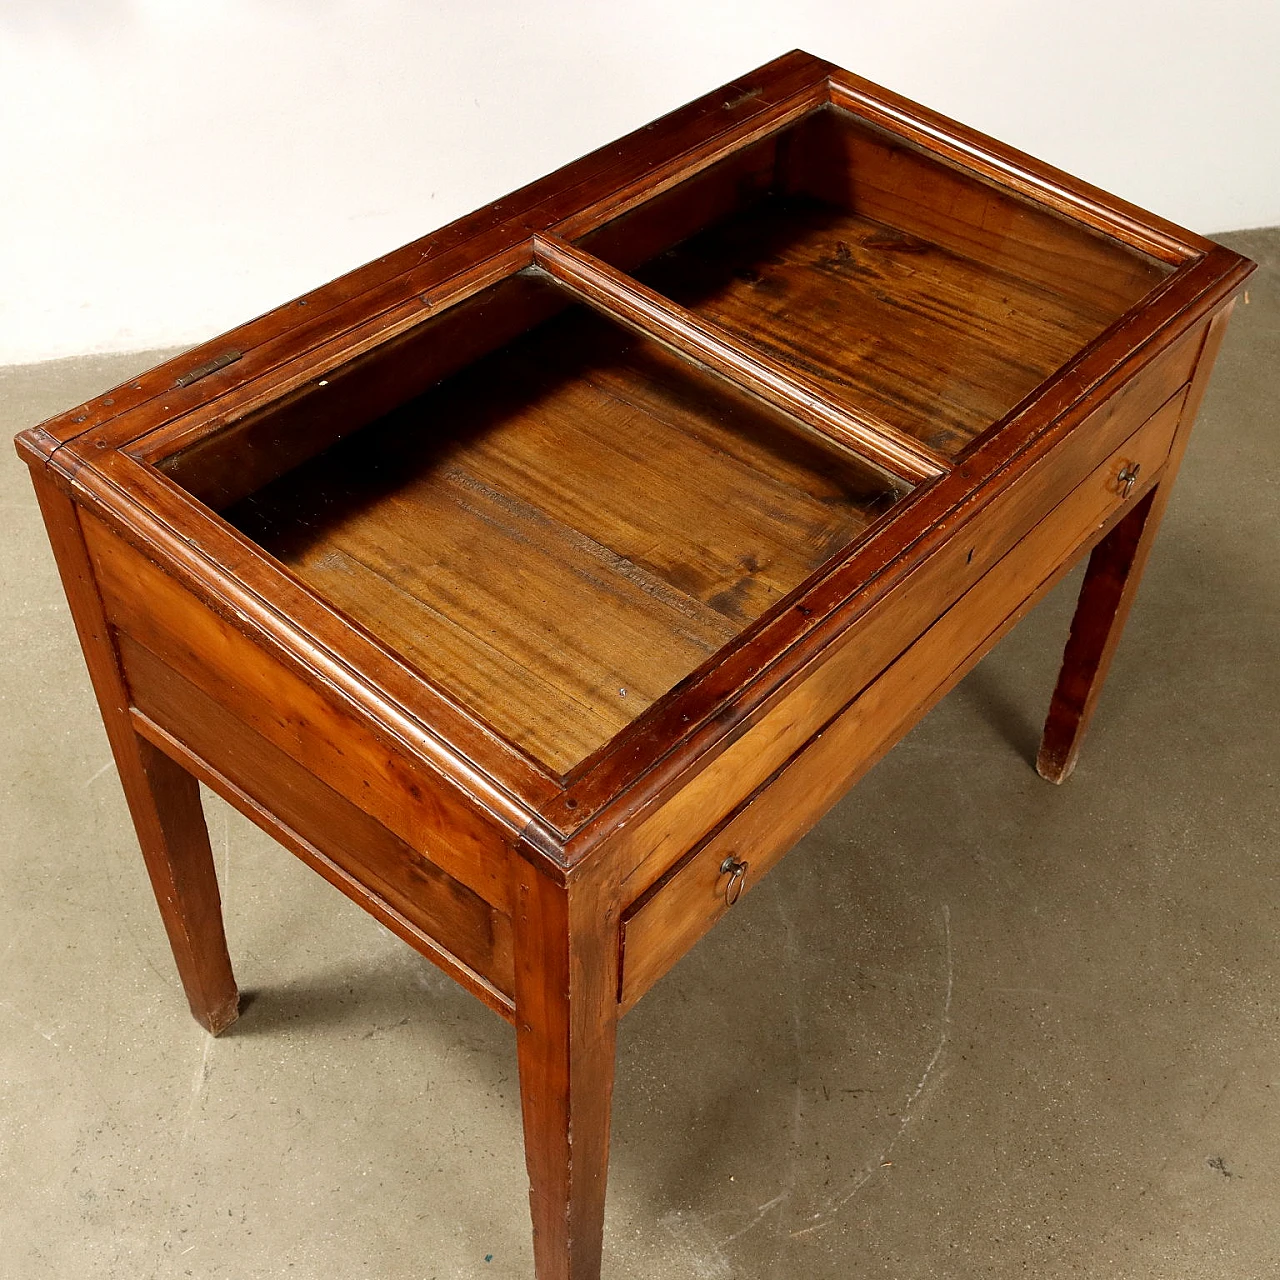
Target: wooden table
<point>540,583</point>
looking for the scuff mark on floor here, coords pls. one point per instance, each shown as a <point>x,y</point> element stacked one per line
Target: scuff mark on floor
<point>762,1212</point>
<point>792,987</point>
<point>199,1079</point>
<point>824,1217</point>
<point>97,773</point>
<point>702,1255</point>
<point>28,1020</point>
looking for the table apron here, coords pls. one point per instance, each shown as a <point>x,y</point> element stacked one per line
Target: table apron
<point>436,914</point>
<point>645,850</point>
<point>673,913</point>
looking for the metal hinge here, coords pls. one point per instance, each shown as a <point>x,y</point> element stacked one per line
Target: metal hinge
<point>209,366</point>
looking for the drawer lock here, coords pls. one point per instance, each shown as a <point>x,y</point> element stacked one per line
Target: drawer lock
<point>736,870</point>
<point>1128,474</point>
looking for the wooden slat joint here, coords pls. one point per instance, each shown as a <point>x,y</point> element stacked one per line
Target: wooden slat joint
<point>625,300</point>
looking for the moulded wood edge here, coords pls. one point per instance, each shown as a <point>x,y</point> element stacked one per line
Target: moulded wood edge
<point>977,152</point>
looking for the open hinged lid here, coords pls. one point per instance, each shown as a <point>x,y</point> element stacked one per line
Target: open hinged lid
<point>591,474</point>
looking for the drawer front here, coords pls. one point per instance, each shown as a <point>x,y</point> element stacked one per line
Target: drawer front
<point>680,907</point>
<point>300,719</point>
<point>892,624</point>
<point>369,859</point>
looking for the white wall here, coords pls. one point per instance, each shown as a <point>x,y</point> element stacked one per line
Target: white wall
<point>172,167</point>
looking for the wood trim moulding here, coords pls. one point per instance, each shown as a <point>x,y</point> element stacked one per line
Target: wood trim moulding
<point>626,300</point>
<point>984,155</point>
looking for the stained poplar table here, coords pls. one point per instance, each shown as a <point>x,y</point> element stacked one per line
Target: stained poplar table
<point>540,583</point>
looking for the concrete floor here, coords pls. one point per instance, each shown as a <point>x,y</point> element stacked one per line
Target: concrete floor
<point>974,1026</point>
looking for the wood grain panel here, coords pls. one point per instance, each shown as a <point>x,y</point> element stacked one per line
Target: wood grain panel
<point>249,451</point>
<point>689,207</point>
<point>862,169</point>
<point>563,533</point>
<point>682,906</point>
<point>936,344</point>
<point>1005,167</point>
<point>293,715</point>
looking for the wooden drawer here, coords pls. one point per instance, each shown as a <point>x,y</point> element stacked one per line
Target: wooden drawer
<point>892,624</point>
<point>681,906</point>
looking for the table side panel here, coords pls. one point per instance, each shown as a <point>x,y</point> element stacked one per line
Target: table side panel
<point>407,885</point>
<point>895,182</point>
<point>309,726</point>
<point>684,905</point>
<point>647,849</point>
<point>1008,167</point>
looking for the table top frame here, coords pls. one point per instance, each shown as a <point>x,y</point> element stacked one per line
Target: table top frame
<point>102,450</point>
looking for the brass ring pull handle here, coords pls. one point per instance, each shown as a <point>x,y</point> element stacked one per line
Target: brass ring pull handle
<point>1128,474</point>
<point>736,870</point>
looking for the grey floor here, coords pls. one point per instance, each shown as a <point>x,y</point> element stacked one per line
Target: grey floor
<point>974,1026</point>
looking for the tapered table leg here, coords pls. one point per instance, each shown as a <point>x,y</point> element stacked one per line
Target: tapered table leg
<point>164,800</point>
<point>1110,584</point>
<point>566,1021</point>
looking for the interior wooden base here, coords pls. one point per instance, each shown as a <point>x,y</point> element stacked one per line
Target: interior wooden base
<point>562,533</point>
<point>934,343</point>
<point>557,518</point>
